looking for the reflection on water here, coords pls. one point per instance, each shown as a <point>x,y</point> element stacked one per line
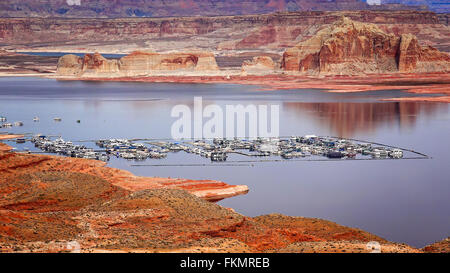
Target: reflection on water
<point>401,200</point>
<point>345,119</point>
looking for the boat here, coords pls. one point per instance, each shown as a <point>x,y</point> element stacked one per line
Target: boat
<point>36,119</point>
<point>57,119</point>
<point>376,153</point>
<point>396,153</point>
<point>218,156</point>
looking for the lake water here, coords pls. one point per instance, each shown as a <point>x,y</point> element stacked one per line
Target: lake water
<point>400,200</point>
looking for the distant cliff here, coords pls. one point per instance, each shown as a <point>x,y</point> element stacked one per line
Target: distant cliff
<point>350,47</point>
<point>168,8</point>
<point>270,31</point>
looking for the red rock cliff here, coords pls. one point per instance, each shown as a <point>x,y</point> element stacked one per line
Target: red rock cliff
<point>165,8</point>
<point>279,30</point>
<point>350,47</point>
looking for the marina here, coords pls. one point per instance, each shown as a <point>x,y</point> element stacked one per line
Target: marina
<point>308,147</point>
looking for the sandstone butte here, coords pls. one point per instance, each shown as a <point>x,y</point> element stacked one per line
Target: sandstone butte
<point>348,47</point>
<point>47,203</point>
<point>138,63</point>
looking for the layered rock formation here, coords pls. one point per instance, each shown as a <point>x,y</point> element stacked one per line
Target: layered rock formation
<point>414,58</point>
<point>259,65</point>
<point>271,31</point>
<point>96,64</point>
<point>90,65</point>
<point>143,63</point>
<point>135,64</point>
<point>350,47</point>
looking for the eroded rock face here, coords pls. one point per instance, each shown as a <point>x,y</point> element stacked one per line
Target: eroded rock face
<point>96,64</point>
<point>91,64</point>
<point>142,63</point>
<point>350,47</point>
<point>415,58</point>
<point>259,65</point>
<point>136,64</point>
<point>259,31</point>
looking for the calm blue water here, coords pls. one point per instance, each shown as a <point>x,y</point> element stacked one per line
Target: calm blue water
<point>402,200</point>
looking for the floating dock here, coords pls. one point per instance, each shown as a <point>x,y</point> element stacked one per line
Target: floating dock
<point>294,148</point>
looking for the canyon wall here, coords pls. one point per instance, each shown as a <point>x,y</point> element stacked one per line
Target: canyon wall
<point>350,47</point>
<point>271,31</point>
